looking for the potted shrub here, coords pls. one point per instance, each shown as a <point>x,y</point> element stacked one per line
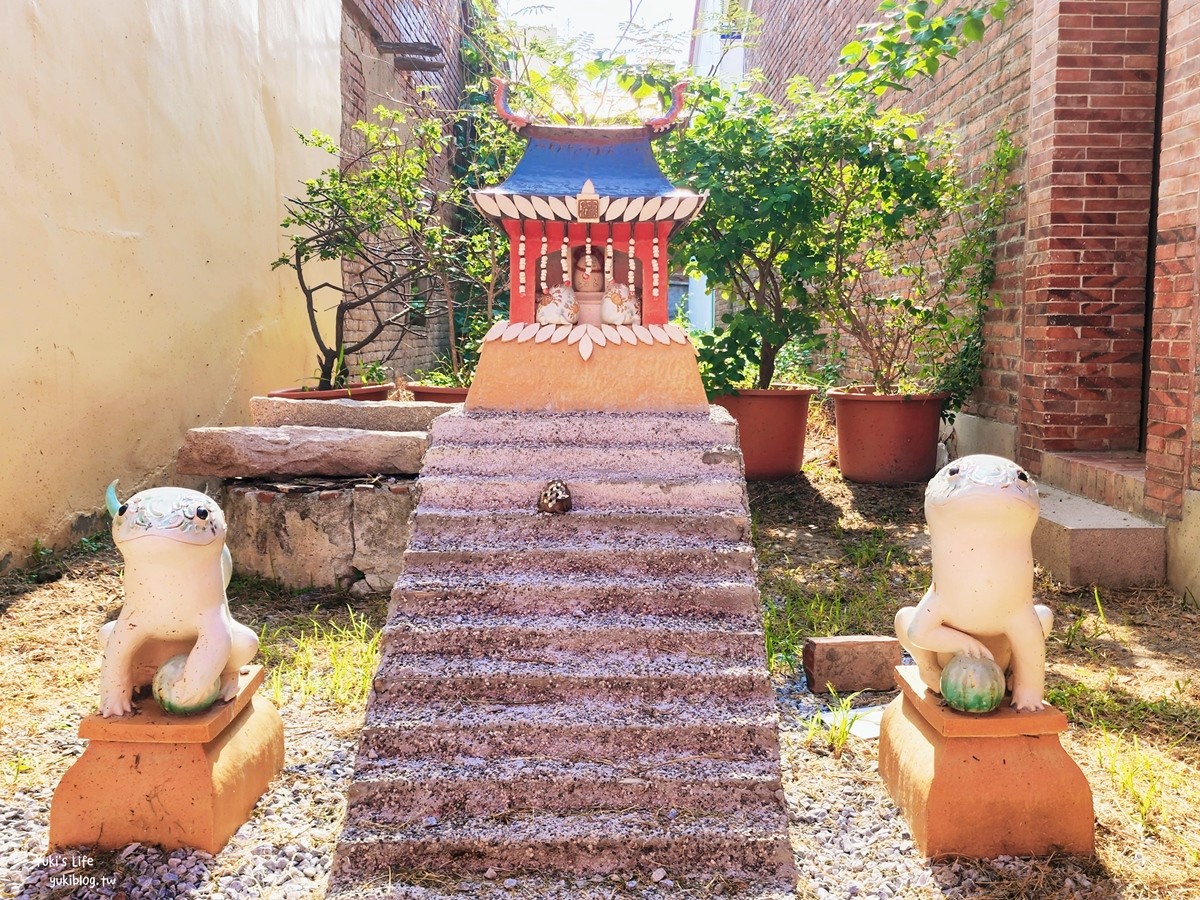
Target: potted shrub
<point>903,252</point>
<point>783,233</point>
<point>741,149</point>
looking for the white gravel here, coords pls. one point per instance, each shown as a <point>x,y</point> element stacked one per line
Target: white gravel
<point>283,852</point>
<point>849,839</point>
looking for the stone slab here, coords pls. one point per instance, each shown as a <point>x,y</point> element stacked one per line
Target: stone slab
<point>1079,542</point>
<point>851,663</point>
<point>186,794</point>
<point>251,451</point>
<point>982,797</point>
<point>379,415</point>
<point>334,537</point>
<point>1002,722</point>
<point>550,377</point>
<point>153,725</point>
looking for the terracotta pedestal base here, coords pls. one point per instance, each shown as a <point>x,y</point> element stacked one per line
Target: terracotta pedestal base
<point>167,780</point>
<point>982,786</point>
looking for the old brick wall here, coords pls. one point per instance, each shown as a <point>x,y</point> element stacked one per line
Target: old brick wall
<point>982,91</point>
<point>1173,407</point>
<point>369,79</point>
<point>1089,185</point>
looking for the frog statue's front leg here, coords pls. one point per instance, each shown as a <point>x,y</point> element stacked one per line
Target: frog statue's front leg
<point>121,640</point>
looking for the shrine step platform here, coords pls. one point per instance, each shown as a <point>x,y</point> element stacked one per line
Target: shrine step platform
<point>564,698</point>
<point>982,785</point>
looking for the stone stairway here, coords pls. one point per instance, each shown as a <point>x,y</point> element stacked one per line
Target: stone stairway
<point>573,700</point>
<point>1091,529</point>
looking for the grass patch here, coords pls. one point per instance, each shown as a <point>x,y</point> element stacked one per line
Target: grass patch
<point>1112,709</point>
<point>325,658</point>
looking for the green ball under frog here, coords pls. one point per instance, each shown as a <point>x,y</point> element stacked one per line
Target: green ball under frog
<point>163,688</point>
<point>972,685</point>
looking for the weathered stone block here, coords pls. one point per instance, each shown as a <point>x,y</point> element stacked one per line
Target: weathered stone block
<point>320,536</point>
<point>386,415</point>
<point>293,450</point>
<point>851,663</point>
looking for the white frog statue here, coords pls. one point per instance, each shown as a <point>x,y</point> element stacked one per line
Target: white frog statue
<point>981,512</point>
<point>177,568</point>
<point>619,307</point>
<point>557,306</point>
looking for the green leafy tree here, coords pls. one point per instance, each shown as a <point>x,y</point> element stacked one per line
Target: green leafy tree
<point>825,198</point>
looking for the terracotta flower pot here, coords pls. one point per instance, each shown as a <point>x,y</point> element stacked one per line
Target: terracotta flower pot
<point>356,391</point>
<point>432,393</point>
<point>886,438</point>
<point>771,428</point>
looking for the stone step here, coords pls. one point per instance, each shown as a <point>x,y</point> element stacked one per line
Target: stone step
<point>483,562</point>
<point>377,415</point>
<point>747,844</point>
<point>588,728</point>
<point>410,791</point>
<point>444,529</point>
<point>572,430</point>
<point>734,599</point>
<point>1080,542</point>
<point>547,461</point>
<point>495,636</point>
<point>596,887</point>
<point>630,494</point>
<point>550,675</point>
<point>1115,478</point>
<point>249,451</point>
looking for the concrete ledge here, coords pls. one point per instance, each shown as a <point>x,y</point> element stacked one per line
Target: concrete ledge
<point>380,415</point>
<point>257,452</point>
<point>1082,542</point>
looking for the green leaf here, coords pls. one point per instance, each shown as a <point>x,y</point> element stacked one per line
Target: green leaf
<point>973,29</point>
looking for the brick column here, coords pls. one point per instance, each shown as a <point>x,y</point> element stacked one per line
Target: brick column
<point>1091,130</point>
<point>1173,409</point>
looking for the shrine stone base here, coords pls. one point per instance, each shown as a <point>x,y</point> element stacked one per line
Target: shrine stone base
<point>169,780</point>
<point>982,786</point>
<point>656,373</point>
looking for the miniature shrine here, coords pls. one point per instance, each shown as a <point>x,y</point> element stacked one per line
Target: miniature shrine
<point>589,215</point>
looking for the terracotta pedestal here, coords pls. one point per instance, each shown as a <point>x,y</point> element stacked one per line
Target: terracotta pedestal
<point>982,786</point>
<point>168,780</point>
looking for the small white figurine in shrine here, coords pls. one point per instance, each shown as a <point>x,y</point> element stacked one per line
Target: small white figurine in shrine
<point>589,272</point>
<point>557,306</point>
<point>619,306</point>
<point>981,512</point>
<point>177,568</point>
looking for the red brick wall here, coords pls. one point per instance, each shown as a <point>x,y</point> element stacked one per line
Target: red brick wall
<point>1173,408</point>
<point>369,79</point>
<point>1089,178</point>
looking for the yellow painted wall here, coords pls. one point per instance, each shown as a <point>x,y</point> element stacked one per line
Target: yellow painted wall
<point>145,147</point>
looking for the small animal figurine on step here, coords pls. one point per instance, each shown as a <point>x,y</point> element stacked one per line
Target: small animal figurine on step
<point>555,498</point>
<point>177,568</point>
<point>981,512</point>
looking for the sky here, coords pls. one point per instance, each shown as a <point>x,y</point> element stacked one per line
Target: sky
<point>601,18</point>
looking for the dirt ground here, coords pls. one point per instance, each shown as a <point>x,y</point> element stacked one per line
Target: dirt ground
<point>1122,665</point>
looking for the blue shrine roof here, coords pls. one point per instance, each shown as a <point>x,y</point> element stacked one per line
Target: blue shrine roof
<point>558,159</point>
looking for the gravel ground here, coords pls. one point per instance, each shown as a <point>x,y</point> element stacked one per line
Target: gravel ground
<point>849,839</point>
